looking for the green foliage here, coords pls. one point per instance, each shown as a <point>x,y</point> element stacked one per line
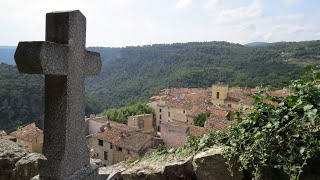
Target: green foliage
<point>201,118</point>
<point>133,74</point>
<point>21,98</point>
<point>93,106</point>
<point>282,136</point>
<point>120,115</point>
<point>278,138</point>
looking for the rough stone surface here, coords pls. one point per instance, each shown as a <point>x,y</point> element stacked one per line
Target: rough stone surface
<point>169,167</point>
<point>65,62</point>
<point>210,165</point>
<point>10,153</point>
<point>206,165</point>
<point>16,163</point>
<point>112,172</point>
<point>27,167</point>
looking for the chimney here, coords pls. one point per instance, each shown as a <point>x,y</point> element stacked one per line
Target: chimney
<point>102,128</point>
<point>108,124</point>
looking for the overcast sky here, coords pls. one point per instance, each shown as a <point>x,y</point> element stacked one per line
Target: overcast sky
<point>117,23</point>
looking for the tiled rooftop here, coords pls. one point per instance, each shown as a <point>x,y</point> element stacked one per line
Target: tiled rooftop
<point>193,100</point>
<point>123,136</point>
<point>193,130</point>
<point>217,123</point>
<point>28,132</point>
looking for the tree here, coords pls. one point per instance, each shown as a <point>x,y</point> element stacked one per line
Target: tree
<point>200,119</point>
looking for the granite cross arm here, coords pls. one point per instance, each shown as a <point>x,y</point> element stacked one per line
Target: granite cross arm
<point>65,62</point>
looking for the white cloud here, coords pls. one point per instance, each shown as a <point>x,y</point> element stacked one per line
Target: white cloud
<point>318,34</point>
<point>213,4</point>
<point>245,13</point>
<point>292,29</point>
<point>261,36</point>
<point>183,4</point>
<point>291,17</point>
<point>291,2</point>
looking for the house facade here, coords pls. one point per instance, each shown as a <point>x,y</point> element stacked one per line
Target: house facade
<point>143,122</point>
<point>179,105</point>
<point>174,134</point>
<point>29,136</point>
<point>118,142</point>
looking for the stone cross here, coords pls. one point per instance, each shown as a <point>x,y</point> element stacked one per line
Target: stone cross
<point>65,62</point>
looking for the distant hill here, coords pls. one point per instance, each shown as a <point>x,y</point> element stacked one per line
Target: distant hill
<point>257,44</point>
<point>134,74</point>
<point>6,54</point>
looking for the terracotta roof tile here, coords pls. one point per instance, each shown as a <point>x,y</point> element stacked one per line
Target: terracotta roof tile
<point>123,136</point>
<point>194,130</point>
<point>28,132</point>
<point>192,100</point>
<point>217,123</point>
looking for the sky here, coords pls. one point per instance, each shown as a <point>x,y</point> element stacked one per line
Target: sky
<point>119,23</point>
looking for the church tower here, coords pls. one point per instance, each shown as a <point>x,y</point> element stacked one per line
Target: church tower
<point>219,93</point>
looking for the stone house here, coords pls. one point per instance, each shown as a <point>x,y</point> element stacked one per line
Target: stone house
<point>118,142</point>
<point>174,134</point>
<point>29,136</point>
<point>93,124</point>
<point>230,98</point>
<point>179,105</point>
<point>143,122</point>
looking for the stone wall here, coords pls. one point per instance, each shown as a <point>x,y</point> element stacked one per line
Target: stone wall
<point>16,162</point>
<point>173,136</point>
<point>206,165</point>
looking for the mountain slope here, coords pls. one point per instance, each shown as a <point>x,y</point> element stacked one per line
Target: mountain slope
<point>258,44</point>
<point>135,73</point>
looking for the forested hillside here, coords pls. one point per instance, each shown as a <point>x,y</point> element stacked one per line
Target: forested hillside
<point>133,74</point>
<point>21,98</point>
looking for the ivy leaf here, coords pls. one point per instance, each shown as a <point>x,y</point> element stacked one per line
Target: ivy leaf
<point>307,107</point>
<point>312,114</point>
<point>302,149</point>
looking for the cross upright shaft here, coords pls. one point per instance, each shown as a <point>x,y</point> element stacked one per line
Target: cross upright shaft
<point>65,62</point>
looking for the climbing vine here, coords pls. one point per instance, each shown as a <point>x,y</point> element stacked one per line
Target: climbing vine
<point>279,133</point>
<point>283,133</point>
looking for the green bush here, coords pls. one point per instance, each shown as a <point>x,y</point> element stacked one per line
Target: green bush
<point>280,137</point>
<point>120,115</point>
<point>200,119</point>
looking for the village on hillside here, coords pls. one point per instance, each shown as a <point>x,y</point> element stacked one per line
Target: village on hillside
<point>175,109</point>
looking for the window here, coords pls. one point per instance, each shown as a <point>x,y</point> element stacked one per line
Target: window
<point>159,128</point>
<point>218,95</point>
<point>105,155</point>
<point>160,117</point>
<point>100,142</point>
<point>119,148</point>
<point>184,111</point>
<point>160,110</point>
<point>97,155</point>
<point>159,122</point>
<point>169,114</point>
<point>128,151</point>
<point>110,146</point>
<point>229,105</point>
